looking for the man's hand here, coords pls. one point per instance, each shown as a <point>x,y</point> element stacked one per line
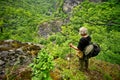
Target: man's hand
<point>71,45</point>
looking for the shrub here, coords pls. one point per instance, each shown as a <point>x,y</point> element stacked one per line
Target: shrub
<point>42,65</point>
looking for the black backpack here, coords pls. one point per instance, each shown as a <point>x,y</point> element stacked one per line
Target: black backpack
<point>95,51</point>
<point>92,50</point>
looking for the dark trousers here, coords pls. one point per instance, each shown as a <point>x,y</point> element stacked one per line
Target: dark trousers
<point>83,64</point>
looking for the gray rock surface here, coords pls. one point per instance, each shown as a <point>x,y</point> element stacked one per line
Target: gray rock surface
<point>13,53</point>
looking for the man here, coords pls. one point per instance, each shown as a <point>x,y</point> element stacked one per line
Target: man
<point>83,42</point>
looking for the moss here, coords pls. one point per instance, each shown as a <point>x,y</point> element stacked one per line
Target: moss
<point>107,77</point>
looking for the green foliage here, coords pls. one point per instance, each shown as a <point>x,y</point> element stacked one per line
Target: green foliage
<point>19,19</point>
<point>59,12</point>
<point>68,74</point>
<point>101,14</point>
<point>102,21</point>
<point>109,46</point>
<point>107,77</point>
<point>42,66</point>
<point>70,33</point>
<point>43,41</point>
<point>69,69</point>
<point>57,38</point>
<point>109,56</point>
<point>1,22</point>
<point>58,50</point>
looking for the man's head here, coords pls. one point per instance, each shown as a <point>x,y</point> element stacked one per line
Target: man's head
<point>83,31</point>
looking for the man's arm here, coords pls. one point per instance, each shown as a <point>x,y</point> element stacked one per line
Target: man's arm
<point>79,52</point>
<point>74,47</point>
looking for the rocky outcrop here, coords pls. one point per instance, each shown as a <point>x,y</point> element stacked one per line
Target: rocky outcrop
<point>70,4</point>
<point>50,27</point>
<point>14,52</point>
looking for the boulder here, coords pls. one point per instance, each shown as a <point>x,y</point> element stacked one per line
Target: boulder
<point>14,53</point>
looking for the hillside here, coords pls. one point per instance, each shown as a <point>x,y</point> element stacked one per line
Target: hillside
<point>54,24</point>
<point>69,70</point>
<point>98,70</point>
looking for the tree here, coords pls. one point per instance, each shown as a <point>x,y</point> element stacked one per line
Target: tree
<point>1,25</point>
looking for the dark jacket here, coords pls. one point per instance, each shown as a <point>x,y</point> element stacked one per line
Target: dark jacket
<point>83,42</point>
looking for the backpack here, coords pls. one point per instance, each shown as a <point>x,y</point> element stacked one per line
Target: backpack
<point>92,50</point>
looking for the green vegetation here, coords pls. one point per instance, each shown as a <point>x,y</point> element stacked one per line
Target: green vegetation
<point>102,19</point>
<point>19,20</point>
<point>42,66</point>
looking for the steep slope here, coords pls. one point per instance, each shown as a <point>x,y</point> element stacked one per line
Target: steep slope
<point>98,70</point>
<point>19,20</point>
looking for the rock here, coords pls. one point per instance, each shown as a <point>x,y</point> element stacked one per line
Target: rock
<point>9,41</point>
<point>1,62</point>
<point>70,4</point>
<point>19,51</point>
<point>48,28</point>
<point>11,52</point>
<point>14,52</point>
<point>3,53</point>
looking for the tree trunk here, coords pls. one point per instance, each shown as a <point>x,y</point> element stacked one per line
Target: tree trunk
<point>1,30</point>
